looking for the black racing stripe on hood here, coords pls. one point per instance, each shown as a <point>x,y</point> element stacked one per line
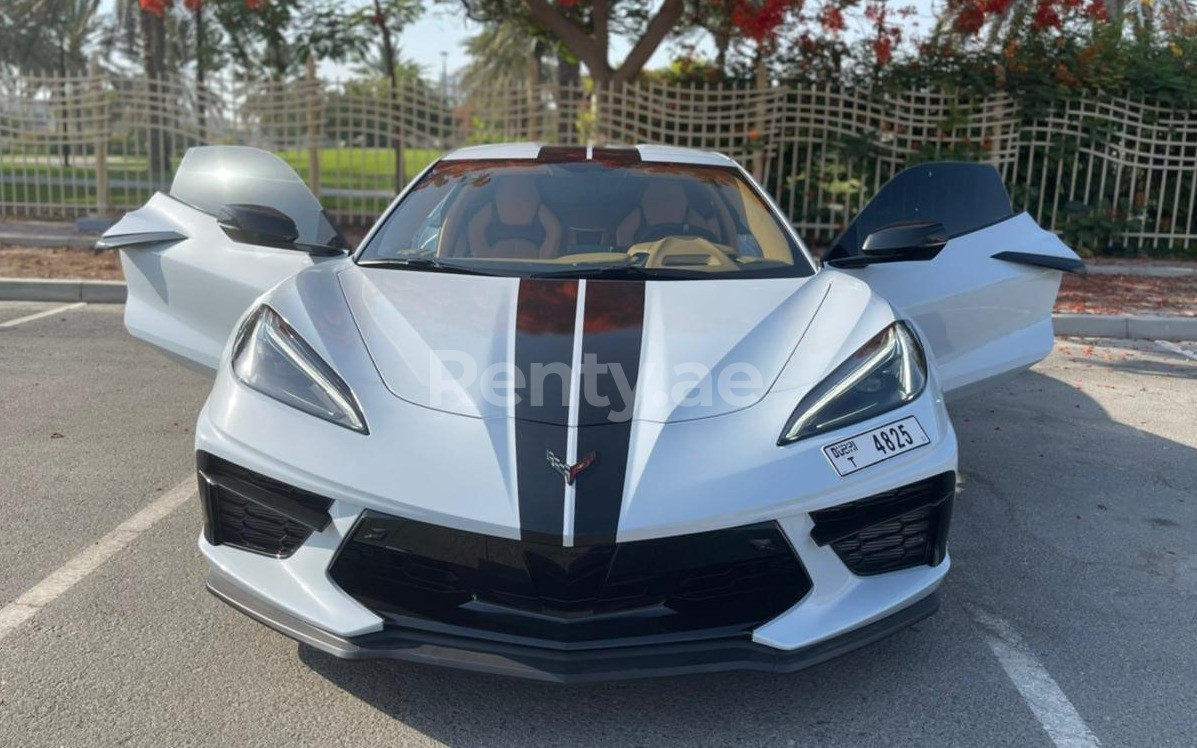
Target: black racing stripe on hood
<point>546,312</point>
<point>612,334</point>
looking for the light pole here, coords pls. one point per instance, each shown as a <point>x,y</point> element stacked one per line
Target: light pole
<point>445,77</point>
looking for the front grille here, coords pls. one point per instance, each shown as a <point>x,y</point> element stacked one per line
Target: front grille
<point>422,574</point>
<point>253,512</point>
<point>894,530</point>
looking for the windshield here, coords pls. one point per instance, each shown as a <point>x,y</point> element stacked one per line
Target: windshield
<point>586,219</point>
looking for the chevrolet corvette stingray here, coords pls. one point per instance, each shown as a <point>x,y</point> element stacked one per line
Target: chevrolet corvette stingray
<point>582,413</point>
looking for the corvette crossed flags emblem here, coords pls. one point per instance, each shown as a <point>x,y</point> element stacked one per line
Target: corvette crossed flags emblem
<point>570,472</point>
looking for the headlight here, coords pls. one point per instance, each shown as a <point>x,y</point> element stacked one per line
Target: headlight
<point>270,357</point>
<point>886,373</point>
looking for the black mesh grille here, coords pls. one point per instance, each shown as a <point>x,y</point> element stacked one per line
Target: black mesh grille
<point>243,524</point>
<point>897,544</point>
<point>895,530</point>
<point>250,518</point>
<point>416,572</point>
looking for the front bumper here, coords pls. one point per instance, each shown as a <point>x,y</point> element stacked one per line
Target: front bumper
<point>737,598</point>
<point>297,594</point>
<point>640,660</point>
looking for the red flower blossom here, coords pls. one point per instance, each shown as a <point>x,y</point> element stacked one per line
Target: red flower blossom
<point>759,21</point>
<point>157,7</point>
<point>1096,9</point>
<point>1046,17</point>
<point>832,19</point>
<point>883,47</point>
<point>970,19</point>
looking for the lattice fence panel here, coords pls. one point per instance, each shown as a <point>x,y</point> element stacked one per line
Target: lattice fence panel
<point>1103,171</point>
<point>836,147</point>
<point>49,127</point>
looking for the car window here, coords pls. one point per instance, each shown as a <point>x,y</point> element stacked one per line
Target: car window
<point>964,197</point>
<point>210,177</point>
<point>524,217</point>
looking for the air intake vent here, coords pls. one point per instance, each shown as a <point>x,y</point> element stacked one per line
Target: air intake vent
<point>894,530</point>
<point>248,510</point>
<point>421,575</point>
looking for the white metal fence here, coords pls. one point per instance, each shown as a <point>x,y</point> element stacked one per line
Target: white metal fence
<point>1105,172</point>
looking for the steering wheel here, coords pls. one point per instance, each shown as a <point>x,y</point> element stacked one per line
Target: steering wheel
<point>685,252</point>
<point>662,230</point>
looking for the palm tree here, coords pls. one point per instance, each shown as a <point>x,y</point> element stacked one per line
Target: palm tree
<point>505,57</point>
<point>51,35</point>
<point>506,53</point>
<point>48,34</point>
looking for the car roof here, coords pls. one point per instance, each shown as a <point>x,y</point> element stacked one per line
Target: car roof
<point>533,151</point>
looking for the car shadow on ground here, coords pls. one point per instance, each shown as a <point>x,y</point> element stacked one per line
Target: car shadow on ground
<point>1124,356</point>
<point>1033,481</point>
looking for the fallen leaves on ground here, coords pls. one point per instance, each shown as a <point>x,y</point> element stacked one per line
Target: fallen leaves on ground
<point>1128,294</point>
<point>29,262</point>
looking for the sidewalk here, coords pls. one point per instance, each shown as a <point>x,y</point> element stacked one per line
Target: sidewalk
<point>81,234</point>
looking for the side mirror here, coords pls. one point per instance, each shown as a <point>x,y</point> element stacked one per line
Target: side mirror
<point>258,224</point>
<point>899,242</point>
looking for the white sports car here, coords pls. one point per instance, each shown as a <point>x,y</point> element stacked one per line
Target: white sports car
<point>582,413</point>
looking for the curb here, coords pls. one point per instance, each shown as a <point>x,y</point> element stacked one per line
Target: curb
<point>1125,326</point>
<point>47,241</point>
<point>1142,271</point>
<point>1078,325</point>
<point>38,289</point>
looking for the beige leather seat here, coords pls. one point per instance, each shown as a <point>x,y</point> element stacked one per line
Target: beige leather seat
<point>664,202</point>
<point>516,224</point>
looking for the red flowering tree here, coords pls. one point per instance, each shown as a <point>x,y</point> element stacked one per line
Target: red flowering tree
<point>1006,19</point>
<point>800,38</point>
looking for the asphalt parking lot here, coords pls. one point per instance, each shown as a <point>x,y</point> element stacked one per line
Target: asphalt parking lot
<point>1069,617</point>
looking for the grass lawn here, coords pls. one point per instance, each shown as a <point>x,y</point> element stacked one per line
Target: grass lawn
<point>361,168</point>
<point>30,180</point>
<point>49,199</point>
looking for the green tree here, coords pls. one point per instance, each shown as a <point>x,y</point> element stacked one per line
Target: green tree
<point>273,40</point>
<point>389,17</point>
<point>507,52</point>
<point>585,28</point>
<point>44,35</point>
<point>509,57</point>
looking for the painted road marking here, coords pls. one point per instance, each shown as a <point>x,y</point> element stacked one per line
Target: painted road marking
<point>72,572</point>
<point>39,315</point>
<point>1174,348</point>
<point>1056,714</point>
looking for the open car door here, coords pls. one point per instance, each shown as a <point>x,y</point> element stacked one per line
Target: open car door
<point>942,243</point>
<point>237,221</point>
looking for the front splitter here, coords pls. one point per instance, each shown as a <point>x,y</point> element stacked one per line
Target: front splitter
<point>642,660</point>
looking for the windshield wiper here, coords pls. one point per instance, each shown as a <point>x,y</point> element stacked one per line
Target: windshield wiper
<point>623,272</point>
<point>426,264</point>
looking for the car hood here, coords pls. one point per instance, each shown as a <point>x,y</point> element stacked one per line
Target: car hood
<point>684,349</point>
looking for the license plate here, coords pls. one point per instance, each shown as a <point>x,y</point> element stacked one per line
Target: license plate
<point>876,446</point>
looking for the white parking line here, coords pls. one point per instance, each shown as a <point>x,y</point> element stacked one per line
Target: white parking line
<point>69,574</point>
<point>39,315</point>
<point>1174,348</point>
<point>1056,714</point>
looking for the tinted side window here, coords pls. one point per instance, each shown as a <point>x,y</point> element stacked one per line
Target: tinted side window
<point>210,177</point>
<point>963,197</point>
